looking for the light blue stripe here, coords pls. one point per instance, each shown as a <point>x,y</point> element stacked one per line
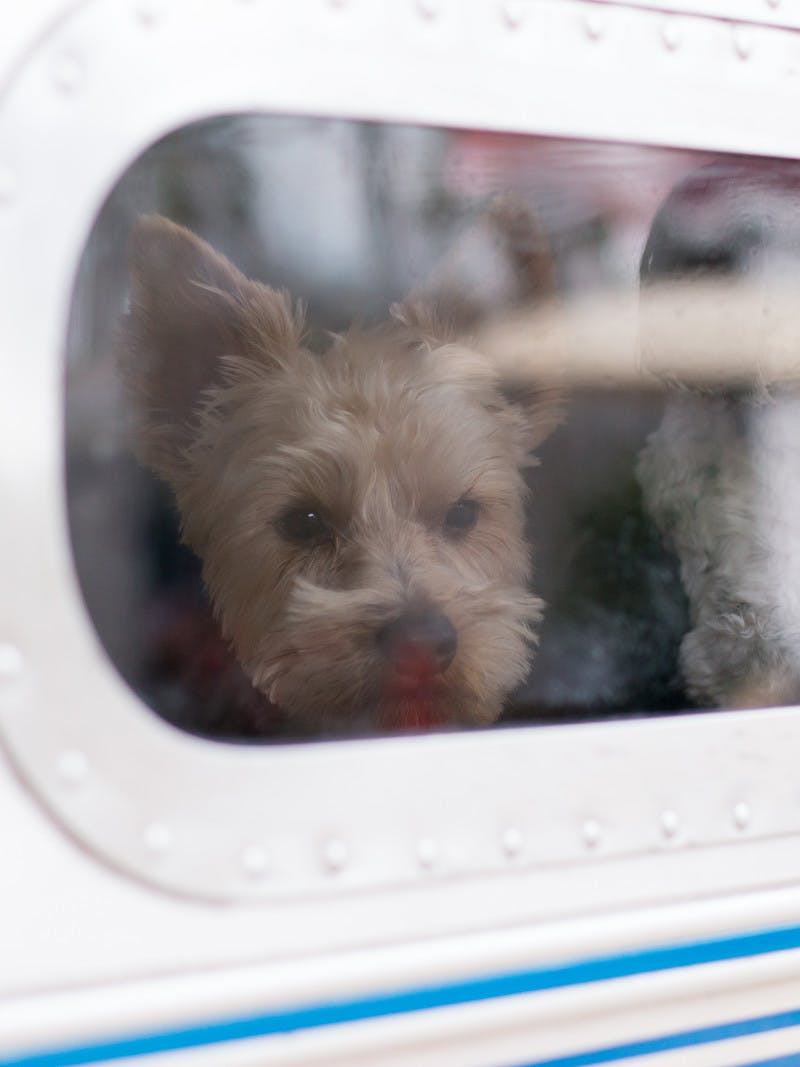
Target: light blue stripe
<point>792,1060</point>
<point>669,1042</point>
<point>309,1017</point>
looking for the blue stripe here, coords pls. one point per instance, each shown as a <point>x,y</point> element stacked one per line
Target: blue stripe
<point>792,1060</point>
<point>669,1042</point>
<point>558,976</point>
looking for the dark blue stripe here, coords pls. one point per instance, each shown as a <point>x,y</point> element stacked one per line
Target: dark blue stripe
<point>669,1042</point>
<point>281,1021</point>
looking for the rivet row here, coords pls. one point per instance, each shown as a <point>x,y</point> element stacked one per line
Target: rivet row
<point>73,769</point>
<point>513,13</point>
<point>67,71</point>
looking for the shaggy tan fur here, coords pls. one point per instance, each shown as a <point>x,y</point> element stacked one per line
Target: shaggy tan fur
<point>381,435</point>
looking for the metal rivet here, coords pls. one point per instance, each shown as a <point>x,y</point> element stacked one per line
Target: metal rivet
<point>334,854</point>
<point>742,42</point>
<point>11,663</point>
<point>669,823</point>
<point>8,185</point>
<point>591,833</point>
<point>254,861</point>
<point>148,12</point>
<point>157,837</point>
<point>67,73</point>
<point>73,766</point>
<point>512,841</point>
<point>671,34</point>
<point>427,852</point>
<point>741,815</point>
<point>429,9</point>
<point>513,13</point>
<point>594,25</point>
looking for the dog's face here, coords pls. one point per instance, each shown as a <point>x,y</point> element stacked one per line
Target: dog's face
<point>359,513</point>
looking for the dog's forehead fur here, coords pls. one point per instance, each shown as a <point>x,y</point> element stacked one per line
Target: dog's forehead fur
<point>423,424</point>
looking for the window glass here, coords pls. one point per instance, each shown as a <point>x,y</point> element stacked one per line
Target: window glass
<point>380,429</point>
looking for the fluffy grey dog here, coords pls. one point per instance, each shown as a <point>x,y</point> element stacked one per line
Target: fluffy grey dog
<point>721,475</point>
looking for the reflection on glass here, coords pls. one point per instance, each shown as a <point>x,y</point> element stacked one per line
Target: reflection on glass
<point>376,429</point>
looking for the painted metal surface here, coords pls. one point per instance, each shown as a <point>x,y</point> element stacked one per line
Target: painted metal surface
<point>759,12</point>
<point>229,1031</point>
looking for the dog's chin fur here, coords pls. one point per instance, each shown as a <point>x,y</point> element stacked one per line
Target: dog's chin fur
<point>381,434</point>
<point>323,665</point>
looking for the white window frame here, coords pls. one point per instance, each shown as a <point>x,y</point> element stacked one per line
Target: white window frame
<point>573,818</point>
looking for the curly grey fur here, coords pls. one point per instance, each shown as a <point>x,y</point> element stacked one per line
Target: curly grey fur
<point>721,477</point>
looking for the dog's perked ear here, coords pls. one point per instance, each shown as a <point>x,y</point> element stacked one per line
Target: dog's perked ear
<point>532,404</point>
<point>192,316</point>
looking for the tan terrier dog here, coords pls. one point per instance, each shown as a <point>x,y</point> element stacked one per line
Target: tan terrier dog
<point>359,514</point>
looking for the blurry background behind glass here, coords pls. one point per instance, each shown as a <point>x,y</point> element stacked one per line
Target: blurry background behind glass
<point>351,217</point>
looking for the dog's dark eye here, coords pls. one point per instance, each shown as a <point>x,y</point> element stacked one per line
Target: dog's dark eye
<point>461,517</point>
<point>304,526</point>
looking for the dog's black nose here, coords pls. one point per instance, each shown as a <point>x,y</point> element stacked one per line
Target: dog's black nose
<point>423,641</point>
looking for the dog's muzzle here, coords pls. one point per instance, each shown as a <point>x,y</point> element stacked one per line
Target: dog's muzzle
<point>418,642</point>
